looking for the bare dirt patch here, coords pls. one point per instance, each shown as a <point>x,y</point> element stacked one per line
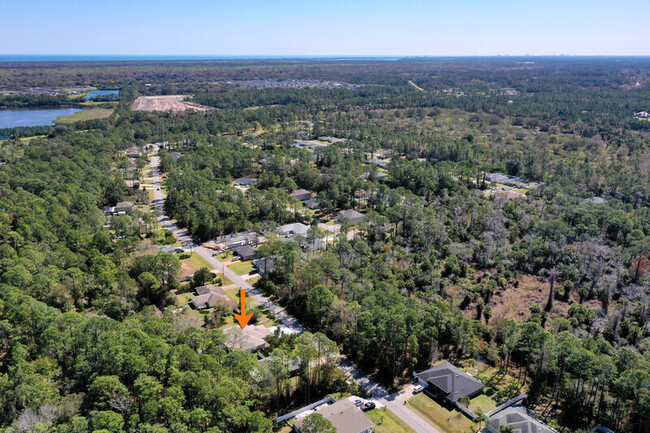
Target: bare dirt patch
<point>174,103</point>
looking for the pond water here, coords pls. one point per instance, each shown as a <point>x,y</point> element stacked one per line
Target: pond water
<point>94,93</point>
<point>15,118</point>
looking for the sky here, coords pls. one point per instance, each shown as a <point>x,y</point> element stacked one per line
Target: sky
<point>325,27</point>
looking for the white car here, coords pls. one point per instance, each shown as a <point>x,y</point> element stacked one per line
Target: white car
<point>417,388</point>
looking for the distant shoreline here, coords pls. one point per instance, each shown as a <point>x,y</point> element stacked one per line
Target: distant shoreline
<point>17,58</point>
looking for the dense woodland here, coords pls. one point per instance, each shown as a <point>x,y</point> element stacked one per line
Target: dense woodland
<point>552,288</point>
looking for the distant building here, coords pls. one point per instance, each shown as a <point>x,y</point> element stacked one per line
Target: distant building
<point>344,415</point>
<point>133,152</point>
<point>505,179</point>
<point>246,252</point>
<point>333,140</point>
<point>383,163</point>
<point>449,382</point>
<point>301,194</point>
<point>350,214</point>
<point>245,181</point>
<point>378,176</point>
<point>176,155</point>
<point>642,115</point>
<point>519,418</point>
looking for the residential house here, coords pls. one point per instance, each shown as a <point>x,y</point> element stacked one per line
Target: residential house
<point>344,415</point>
<point>252,338</point>
<point>208,296</point>
<point>176,155</point>
<point>229,242</point>
<point>350,214</point>
<point>133,152</point>
<point>332,140</point>
<point>383,163</point>
<point>312,203</point>
<point>292,230</point>
<point>449,382</point>
<point>519,418</point>
<point>301,194</point>
<point>246,252</point>
<point>264,266</point>
<point>378,176</point>
<point>124,206</point>
<point>245,181</point>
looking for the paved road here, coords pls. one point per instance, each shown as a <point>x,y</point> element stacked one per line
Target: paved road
<point>347,367</point>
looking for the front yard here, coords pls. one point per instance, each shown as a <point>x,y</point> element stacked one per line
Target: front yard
<point>387,422</point>
<point>242,268</point>
<point>439,417</point>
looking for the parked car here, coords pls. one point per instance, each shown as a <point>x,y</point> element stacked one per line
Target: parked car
<point>368,405</point>
<point>417,388</point>
<point>358,403</point>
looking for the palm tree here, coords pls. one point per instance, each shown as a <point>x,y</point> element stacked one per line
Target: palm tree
<point>480,418</point>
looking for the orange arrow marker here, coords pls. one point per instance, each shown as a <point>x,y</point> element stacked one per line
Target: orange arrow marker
<point>243,318</point>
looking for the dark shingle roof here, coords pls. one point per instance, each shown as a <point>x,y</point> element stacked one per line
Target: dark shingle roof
<point>452,381</point>
<point>246,251</point>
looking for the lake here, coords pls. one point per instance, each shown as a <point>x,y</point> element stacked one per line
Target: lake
<point>15,118</point>
<point>94,93</point>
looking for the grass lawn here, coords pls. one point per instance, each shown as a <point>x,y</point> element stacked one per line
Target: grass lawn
<point>225,257</point>
<point>33,137</point>
<point>483,403</point>
<point>183,299</point>
<point>90,114</point>
<point>253,280</point>
<point>439,417</point>
<point>387,422</point>
<point>197,261</point>
<point>242,268</point>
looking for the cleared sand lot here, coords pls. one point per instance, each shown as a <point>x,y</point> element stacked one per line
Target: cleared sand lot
<point>173,103</point>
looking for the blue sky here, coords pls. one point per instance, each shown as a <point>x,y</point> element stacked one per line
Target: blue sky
<point>325,27</point>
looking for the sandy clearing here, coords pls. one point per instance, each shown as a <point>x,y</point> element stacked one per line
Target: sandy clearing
<point>175,103</point>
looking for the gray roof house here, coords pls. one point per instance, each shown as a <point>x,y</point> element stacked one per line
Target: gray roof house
<point>176,155</point>
<point>301,194</point>
<point>246,252</point>
<point>312,203</point>
<point>449,381</point>
<point>350,214</point>
<point>519,418</point>
<point>208,296</point>
<point>344,415</point>
<point>245,181</point>
<point>293,229</point>
<point>265,265</point>
<point>237,239</point>
<point>124,206</point>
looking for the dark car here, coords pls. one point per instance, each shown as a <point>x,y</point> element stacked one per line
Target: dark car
<point>368,405</point>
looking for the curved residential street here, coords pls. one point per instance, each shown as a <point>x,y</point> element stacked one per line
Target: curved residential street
<point>392,401</point>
